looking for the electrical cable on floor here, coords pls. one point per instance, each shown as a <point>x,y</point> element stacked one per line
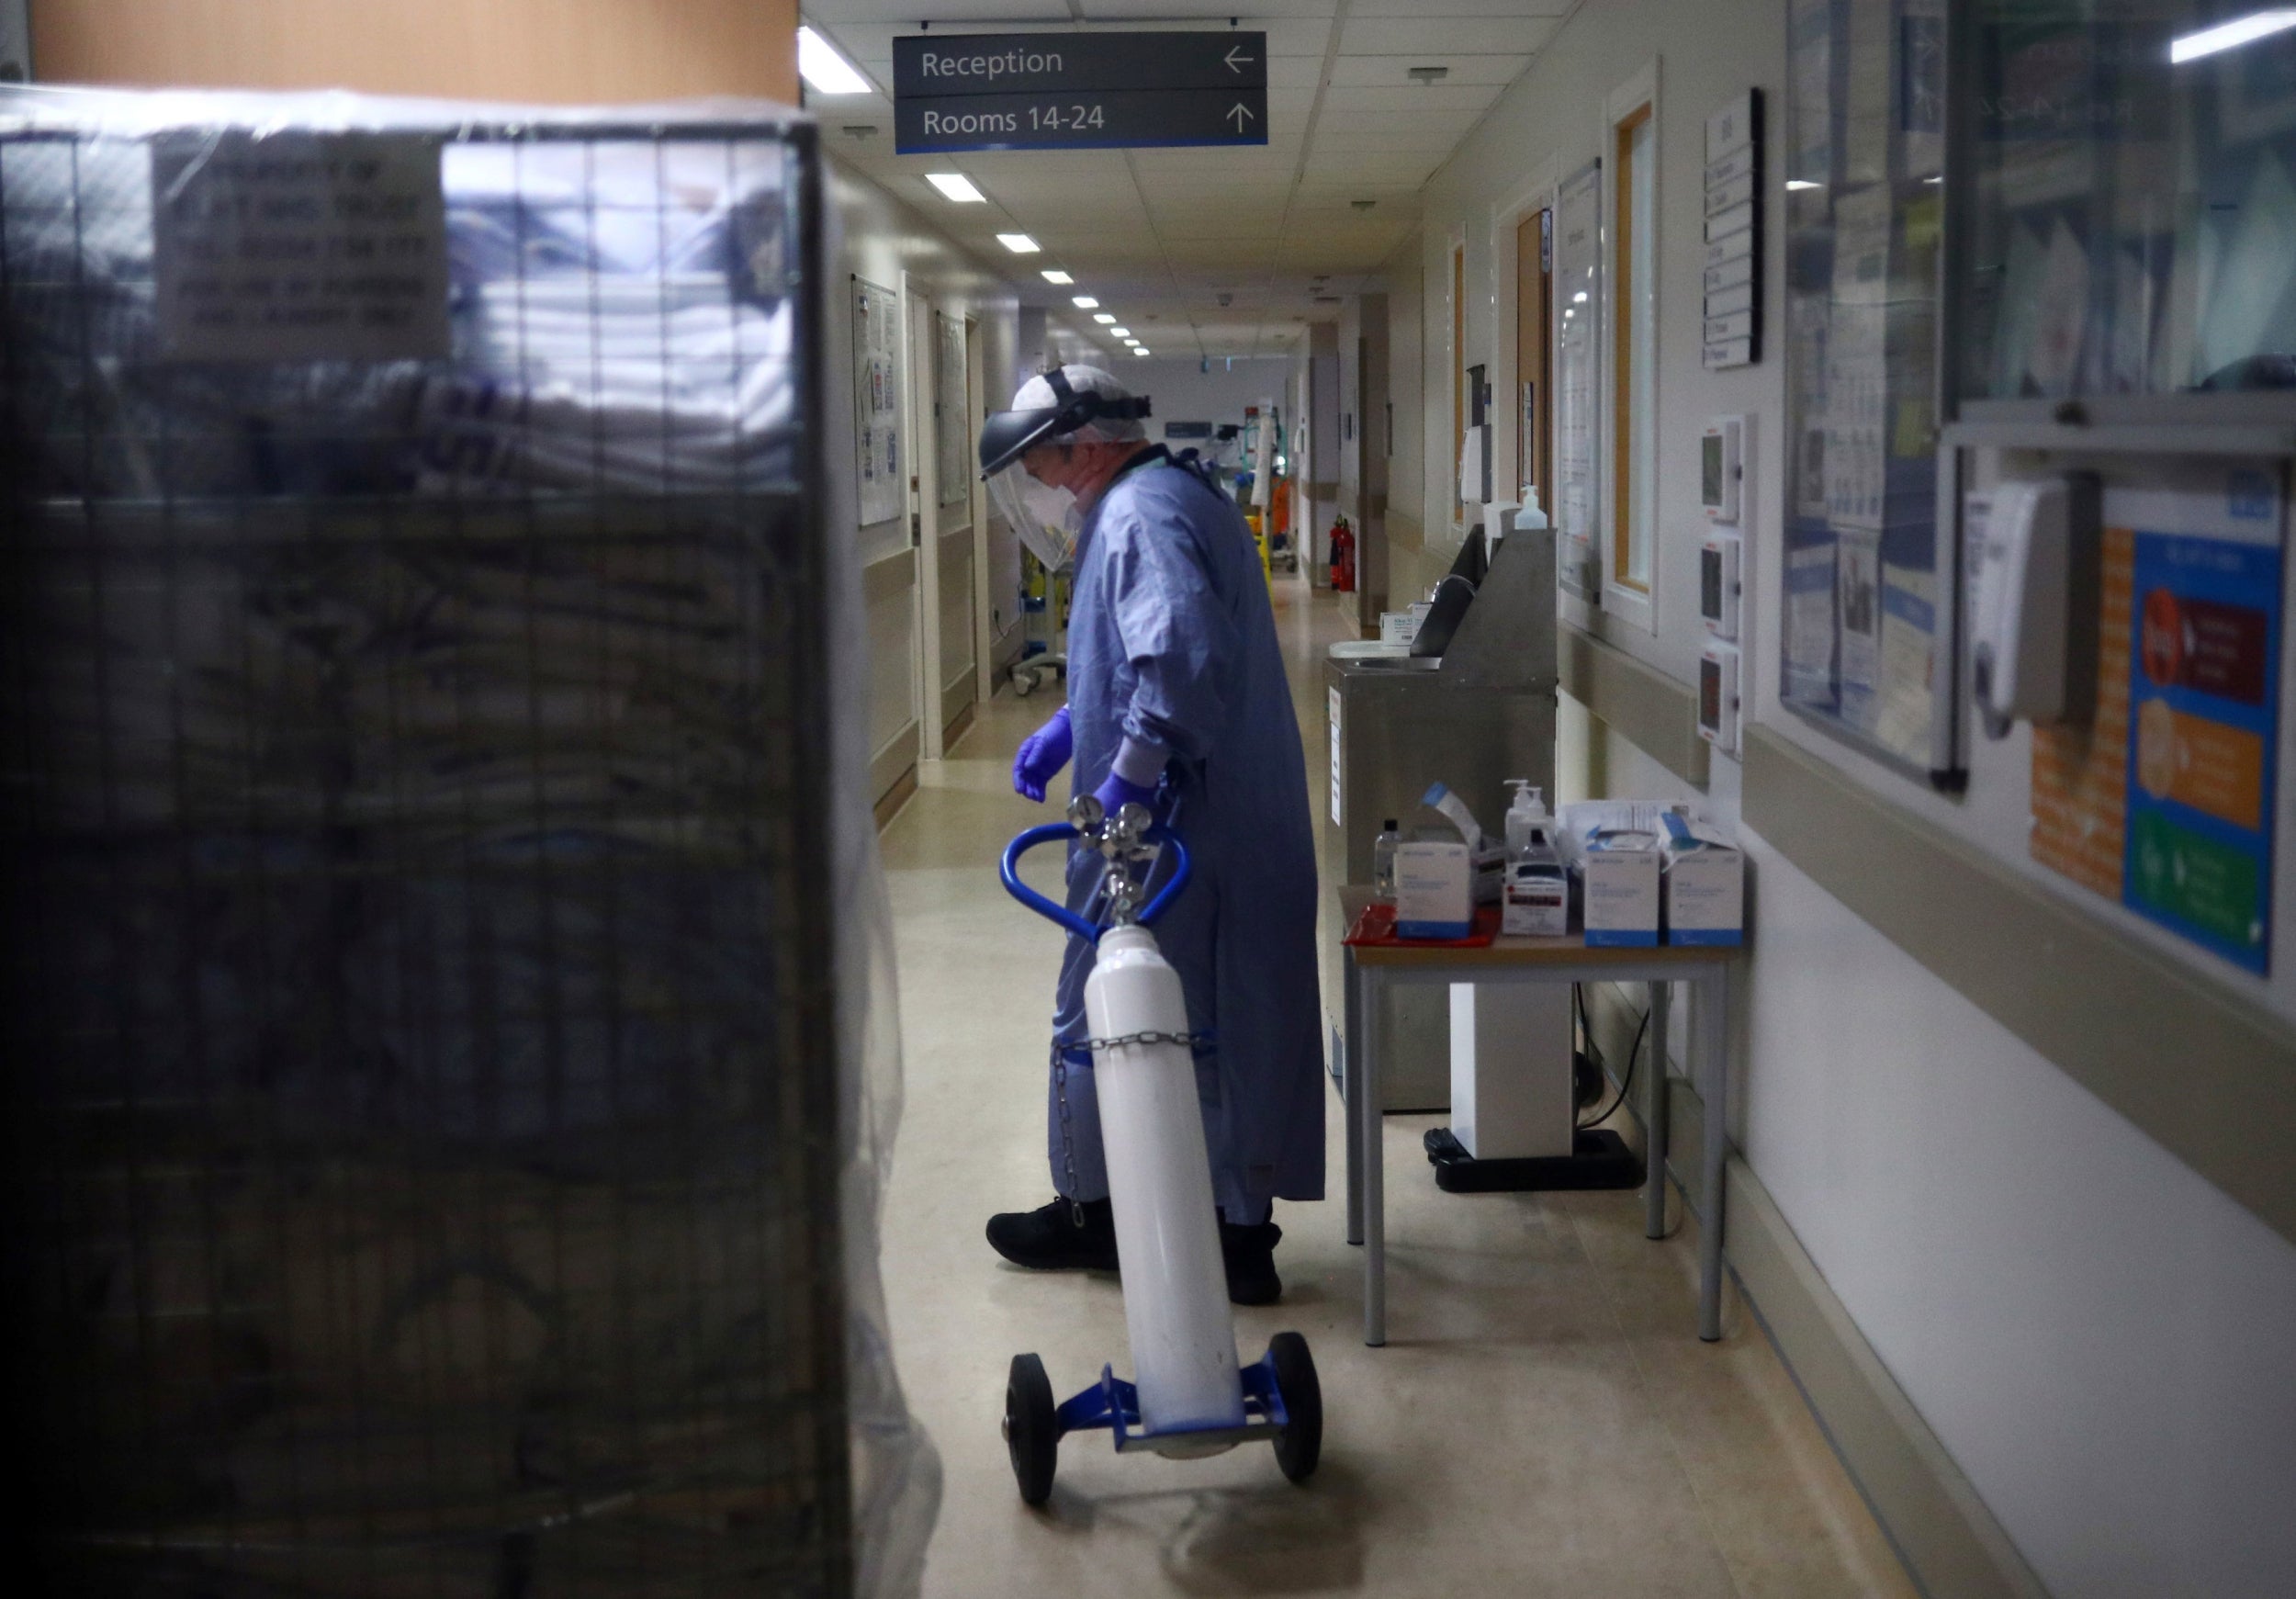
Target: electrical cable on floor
<point>1628,1082</point>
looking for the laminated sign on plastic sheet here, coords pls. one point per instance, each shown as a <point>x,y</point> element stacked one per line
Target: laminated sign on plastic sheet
<point>2166,802</point>
<point>422,1058</point>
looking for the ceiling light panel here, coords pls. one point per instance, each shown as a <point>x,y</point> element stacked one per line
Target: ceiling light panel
<point>1019,243</point>
<point>1103,319</point>
<point>1084,302</point>
<point>955,186</point>
<point>825,70</point>
<point>1054,274</point>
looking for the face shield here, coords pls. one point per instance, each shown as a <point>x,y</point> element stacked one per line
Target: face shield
<point>1045,518</point>
<point>1068,405</point>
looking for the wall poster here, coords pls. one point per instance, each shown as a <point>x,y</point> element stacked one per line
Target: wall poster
<point>1866,647</point>
<point>2165,801</point>
<point>953,426</point>
<point>1577,377</point>
<point>877,401</point>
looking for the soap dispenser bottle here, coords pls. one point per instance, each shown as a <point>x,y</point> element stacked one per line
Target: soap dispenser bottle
<point>1537,901</point>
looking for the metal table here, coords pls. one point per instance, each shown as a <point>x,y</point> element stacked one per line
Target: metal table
<point>1371,973</point>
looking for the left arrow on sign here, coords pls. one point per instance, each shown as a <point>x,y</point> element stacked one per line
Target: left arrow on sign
<point>1241,115</point>
<point>1236,60</point>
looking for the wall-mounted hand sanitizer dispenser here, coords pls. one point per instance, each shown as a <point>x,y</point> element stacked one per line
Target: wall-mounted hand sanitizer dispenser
<point>2033,653</point>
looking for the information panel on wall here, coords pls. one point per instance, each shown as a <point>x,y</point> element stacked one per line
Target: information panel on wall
<point>1735,188</point>
<point>1577,358</point>
<point>877,401</point>
<point>1866,637</point>
<point>2165,801</point>
<point>953,428</point>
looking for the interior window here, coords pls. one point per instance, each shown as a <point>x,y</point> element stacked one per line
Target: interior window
<point>1635,414</point>
<point>1459,375</point>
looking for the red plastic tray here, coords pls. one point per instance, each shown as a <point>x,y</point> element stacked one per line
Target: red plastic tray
<point>1377,926</point>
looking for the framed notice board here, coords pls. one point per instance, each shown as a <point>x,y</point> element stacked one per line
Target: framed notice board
<point>877,401</point>
<point>1868,617</point>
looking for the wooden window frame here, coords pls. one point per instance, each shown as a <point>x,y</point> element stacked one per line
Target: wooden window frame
<point>1627,395</point>
<point>1623,498</point>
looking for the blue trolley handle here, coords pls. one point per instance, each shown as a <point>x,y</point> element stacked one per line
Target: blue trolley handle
<point>1088,932</point>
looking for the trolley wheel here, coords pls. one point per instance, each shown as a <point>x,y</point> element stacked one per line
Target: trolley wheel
<point>1301,1444</point>
<point>1023,682</point>
<point>1032,1427</point>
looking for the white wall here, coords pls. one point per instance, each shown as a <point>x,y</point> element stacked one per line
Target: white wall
<point>1216,391</point>
<point>1412,569</point>
<point>2102,1339</point>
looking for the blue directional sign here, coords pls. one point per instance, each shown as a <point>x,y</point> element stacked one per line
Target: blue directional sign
<point>1078,91</point>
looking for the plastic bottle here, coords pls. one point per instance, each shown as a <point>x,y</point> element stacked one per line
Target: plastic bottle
<point>1529,518</point>
<point>1383,863</point>
<point>1537,898</point>
<point>1527,818</point>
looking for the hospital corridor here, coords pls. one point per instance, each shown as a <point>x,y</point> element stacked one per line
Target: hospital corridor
<point>1555,1423</point>
<point>1087,799</point>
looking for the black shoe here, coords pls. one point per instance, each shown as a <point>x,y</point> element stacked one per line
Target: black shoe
<point>1050,1238</point>
<point>1250,1255</point>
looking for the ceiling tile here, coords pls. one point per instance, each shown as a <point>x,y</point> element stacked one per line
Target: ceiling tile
<point>1457,121</point>
<point>1252,12</point>
<point>1246,161</point>
<point>913,12</point>
<point>1334,138</point>
<point>1304,35</point>
<point>1423,99</point>
<point>836,111</point>
<point>1449,35</point>
<point>1159,235</point>
<point>1395,70</point>
<point>1420,9</point>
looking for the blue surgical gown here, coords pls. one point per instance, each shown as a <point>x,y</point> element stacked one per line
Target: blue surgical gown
<point>1172,641</point>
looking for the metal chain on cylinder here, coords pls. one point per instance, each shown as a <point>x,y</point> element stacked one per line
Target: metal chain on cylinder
<point>1189,1041</point>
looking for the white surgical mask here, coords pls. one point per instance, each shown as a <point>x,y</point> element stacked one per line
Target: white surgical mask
<point>1047,519</point>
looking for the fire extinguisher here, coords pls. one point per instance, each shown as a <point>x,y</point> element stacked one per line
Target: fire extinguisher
<point>1342,556</point>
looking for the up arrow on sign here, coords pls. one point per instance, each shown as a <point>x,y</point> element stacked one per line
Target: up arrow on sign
<point>1240,115</point>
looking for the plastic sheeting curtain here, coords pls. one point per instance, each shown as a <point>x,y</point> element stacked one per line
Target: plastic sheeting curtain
<point>437,1118</point>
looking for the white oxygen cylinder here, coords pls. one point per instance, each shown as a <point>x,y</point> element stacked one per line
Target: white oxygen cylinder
<point>1167,1231</point>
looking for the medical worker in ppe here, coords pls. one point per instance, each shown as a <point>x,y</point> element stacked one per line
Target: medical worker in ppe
<point>1177,700</point>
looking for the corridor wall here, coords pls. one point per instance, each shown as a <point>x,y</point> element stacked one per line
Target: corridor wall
<point>887,243</point>
<point>2087,1335</point>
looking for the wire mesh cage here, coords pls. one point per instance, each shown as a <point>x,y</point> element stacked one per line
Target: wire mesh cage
<point>422,1074</point>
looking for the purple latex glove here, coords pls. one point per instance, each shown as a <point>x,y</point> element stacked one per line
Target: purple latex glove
<point>1042,754</point>
<point>1117,792</point>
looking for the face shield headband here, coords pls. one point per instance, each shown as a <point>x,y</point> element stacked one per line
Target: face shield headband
<point>1046,519</point>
